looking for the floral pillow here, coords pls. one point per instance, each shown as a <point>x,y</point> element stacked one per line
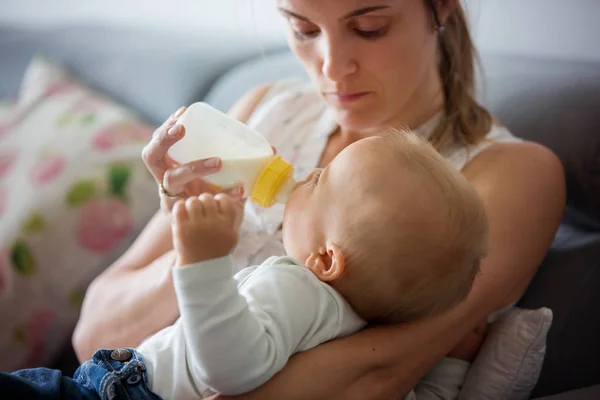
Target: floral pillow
<point>74,193</point>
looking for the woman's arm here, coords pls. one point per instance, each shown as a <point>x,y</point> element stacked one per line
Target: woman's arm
<point>522,186</point>
<point>134,297</point>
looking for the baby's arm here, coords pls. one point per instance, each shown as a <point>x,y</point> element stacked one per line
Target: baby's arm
<point>443,382</point>
<point>236,340</point>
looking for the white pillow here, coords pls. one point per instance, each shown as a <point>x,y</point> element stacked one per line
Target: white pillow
<point>74,193</point>
<point>510,360</point>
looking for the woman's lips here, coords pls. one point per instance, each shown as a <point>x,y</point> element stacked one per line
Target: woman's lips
<point>347,97</point>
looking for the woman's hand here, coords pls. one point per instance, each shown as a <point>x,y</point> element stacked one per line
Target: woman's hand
<point>178,181</point>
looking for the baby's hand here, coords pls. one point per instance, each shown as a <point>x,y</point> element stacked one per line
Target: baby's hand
<point>204,228</point>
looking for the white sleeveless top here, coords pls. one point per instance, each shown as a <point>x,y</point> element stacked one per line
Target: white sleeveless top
<point>296,120</point>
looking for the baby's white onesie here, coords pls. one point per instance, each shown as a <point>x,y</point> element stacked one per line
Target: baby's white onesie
<point>236,332</point>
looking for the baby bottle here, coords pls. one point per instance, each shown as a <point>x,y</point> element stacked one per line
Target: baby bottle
<point>247,158</point>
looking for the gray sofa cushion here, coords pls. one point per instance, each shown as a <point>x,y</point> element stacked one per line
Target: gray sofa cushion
<point>569,284</point>
<point>547,101</point>
<point>556,103</point>
<point>150,71</point>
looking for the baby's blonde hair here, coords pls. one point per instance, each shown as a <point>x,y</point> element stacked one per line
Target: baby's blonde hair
<point>408,263</point>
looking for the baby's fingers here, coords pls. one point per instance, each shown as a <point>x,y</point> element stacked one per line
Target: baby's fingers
<point>236,193</point>
<point>230,208</point>
<point>209,204</point>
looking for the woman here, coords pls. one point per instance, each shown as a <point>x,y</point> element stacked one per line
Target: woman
<point>373,64</point>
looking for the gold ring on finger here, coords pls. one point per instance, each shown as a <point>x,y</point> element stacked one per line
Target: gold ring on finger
<point>166,192</point>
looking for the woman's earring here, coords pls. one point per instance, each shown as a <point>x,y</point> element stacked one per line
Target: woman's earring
<point>440,29</point>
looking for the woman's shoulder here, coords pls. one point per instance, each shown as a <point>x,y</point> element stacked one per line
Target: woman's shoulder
<point>499,133</point>
<point>519,169</point>
<point>516,154</point>
<point>244,107</point>
<point>291,108</point>
<point>460,154</point>
<point>292,95</point>
<point>289,88</point>
<point>500,148</point>
<point>255,98</point>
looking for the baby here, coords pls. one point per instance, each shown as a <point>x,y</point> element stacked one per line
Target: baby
<point>387,233</point>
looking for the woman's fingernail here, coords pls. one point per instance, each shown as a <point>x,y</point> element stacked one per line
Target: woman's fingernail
<point>212,163</point>
<point>174,131</point>
<point>178,113</point>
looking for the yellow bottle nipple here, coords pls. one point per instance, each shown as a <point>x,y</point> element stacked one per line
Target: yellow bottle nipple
<point>270,181</point>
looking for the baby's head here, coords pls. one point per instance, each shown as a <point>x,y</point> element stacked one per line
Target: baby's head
<point>392,226</point>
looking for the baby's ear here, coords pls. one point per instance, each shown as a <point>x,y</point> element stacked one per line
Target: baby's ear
<point>328,264</point>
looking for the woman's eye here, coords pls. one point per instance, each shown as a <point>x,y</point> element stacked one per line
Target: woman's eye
<point>306,34</point>
<point>303,29</point>
<point>374,34</point>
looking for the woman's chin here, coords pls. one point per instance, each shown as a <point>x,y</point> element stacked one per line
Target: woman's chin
<point>356,121</point>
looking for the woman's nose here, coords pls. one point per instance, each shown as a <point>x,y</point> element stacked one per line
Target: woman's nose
<point>338,60</point>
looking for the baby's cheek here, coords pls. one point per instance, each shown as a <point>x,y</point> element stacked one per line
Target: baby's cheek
<point>290,237</point>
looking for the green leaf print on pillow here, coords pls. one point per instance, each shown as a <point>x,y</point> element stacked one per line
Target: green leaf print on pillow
<point>22,259</point>
<point>88,119</point>
<point>64,120</point>
<point>36,223</point>
<point>105,219</point>
<point>81,192</point>
<point>118,176</point>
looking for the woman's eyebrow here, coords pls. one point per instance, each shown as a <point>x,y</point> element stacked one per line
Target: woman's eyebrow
<point>363,11</point>
<point>292,14</point>
<point>352,14</point>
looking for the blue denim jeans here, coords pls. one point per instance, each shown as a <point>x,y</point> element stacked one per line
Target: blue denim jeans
<point>109,375</point>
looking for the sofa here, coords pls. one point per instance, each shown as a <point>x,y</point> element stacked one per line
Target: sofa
<point>553,102</point>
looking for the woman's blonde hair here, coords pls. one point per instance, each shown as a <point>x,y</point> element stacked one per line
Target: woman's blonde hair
<point>405,261</point>
<point>466,121</point>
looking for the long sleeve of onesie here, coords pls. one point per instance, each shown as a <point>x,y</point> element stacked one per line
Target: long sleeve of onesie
<point>239,333</point>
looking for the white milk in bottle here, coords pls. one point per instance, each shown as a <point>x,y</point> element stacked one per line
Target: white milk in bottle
<point>247,158</point>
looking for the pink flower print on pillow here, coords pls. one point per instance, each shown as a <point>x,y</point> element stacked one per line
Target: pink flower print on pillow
<point>7,160</point>
<point>33,335</point>
<point>103,224</point>
<point>105,219</point>
<point>62,87</point>
<point>121,133</point>
<point>47,169</point>
<point>139,132</point>
<point>3,199</point>
<point>83,113</point>
<point>105,140</point>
